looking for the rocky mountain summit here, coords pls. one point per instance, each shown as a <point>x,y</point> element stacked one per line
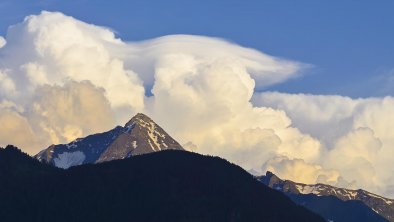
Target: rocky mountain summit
<point>140,135</point>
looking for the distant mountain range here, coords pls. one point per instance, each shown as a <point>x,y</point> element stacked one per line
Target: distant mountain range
<point>336,204</point>
<point>169,185</point>
<point>140,135</point>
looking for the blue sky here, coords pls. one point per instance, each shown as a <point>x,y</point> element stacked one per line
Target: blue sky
<point>349,43</point>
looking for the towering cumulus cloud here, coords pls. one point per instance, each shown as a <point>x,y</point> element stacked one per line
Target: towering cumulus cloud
<point>61,78</point>
<point>355,134</point>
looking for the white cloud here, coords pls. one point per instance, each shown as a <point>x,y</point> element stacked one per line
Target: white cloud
<point>64,113</point>
<point>357,154</point>
<point>264,69</point>
<point>2,42</point>
<point>7,85</point>
<point>355,133</point>
<point>15,129</point>
<point>53,49</point>
<point>207,101</point>
<point>62,78</point>
<point>299,170</point>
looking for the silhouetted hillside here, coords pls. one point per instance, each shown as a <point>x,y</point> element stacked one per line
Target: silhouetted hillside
<point>15,163</point>
<point>162,186</point>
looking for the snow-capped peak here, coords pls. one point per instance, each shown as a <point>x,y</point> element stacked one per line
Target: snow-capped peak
<point>140,135</point>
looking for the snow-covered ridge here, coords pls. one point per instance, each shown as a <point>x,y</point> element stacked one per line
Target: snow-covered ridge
<point>381,205</point>
<point>344,194</point>
<point>377,203</point>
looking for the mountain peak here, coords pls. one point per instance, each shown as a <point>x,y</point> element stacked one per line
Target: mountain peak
<point>142,135</point>
<point>138,118</point>
<point>139,136</point>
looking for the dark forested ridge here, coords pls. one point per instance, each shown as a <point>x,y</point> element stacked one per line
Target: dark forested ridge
<point>162,186</point>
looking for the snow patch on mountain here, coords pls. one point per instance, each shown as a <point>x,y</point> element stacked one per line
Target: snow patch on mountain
<point>68,159</point>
